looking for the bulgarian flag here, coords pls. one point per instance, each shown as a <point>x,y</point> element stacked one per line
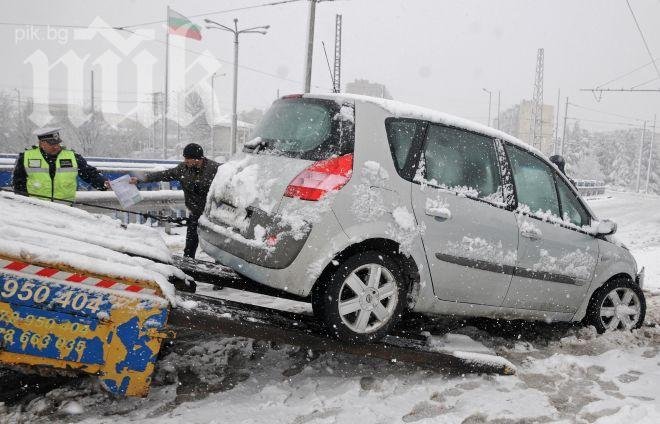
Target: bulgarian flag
<point>180,25</point>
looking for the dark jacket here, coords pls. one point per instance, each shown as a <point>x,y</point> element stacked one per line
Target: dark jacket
<point>195,182</point>
<point>86,172</point>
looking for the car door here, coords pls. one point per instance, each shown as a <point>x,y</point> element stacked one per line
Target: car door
<point>469,236</point>
<point>556,256</point>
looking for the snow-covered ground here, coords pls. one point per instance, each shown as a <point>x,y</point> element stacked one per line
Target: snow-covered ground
<point>566,373</point>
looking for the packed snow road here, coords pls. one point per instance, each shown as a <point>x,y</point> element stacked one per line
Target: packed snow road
<point>566,373</point>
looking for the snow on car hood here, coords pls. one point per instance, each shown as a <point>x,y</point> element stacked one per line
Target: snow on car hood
<point>33,230</point>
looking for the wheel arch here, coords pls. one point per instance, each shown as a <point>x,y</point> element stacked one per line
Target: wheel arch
<point>387,247</point>
<point>582,311</point>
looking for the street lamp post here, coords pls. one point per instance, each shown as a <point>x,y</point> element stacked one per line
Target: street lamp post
<point>490,96</point>
<point>236,32</point>
<point>213,111</point>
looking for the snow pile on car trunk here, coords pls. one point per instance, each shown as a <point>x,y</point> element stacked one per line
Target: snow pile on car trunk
<point>52,234</point>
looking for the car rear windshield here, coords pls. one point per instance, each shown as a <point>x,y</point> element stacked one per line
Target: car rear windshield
<point>312,129</point>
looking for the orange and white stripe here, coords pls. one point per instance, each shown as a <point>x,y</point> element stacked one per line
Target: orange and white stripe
<point>69,277</point>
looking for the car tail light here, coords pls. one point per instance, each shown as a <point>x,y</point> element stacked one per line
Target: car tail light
<point>292,96</point>
<point>321,177</point>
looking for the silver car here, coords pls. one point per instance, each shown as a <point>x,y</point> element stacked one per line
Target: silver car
<point>370,208</point>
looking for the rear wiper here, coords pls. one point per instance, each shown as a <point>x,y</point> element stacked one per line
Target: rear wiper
<point>256,144</point>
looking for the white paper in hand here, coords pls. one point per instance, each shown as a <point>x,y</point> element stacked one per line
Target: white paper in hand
<point>127,193</point>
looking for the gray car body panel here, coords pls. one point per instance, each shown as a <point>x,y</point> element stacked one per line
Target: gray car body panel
<point>363,209</point>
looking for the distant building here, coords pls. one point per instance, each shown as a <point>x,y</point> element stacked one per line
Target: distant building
<point>222,135</point>
<point>517,122</point>
<point>363,86</point>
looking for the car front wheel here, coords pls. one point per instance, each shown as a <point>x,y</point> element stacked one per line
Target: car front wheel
<point>363,299</point>
<point>618,305</point>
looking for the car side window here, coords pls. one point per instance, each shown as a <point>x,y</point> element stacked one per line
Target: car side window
<point>401,134</point>
<point>571,208</point>
<point>534,180</point>
<point>462,161</point>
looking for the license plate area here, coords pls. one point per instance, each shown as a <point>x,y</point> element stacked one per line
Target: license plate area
<point>226,214</point>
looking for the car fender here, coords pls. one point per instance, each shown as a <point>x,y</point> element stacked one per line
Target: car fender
<point>412,248</point>
<point>613,260</point>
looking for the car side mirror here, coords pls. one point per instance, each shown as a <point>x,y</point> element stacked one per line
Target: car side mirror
<point>606,227</point>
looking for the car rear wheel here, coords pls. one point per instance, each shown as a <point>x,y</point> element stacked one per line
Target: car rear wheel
<point>363,299</point>
<point>617,305</point>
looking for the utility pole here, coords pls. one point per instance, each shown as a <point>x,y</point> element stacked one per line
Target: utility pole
<point>156,108</point>
<point>212,116</point>
<point>20,108</point>
<point>310,46</point>
<point>490,95</point>
<point>91,92</point>
<point>165,94</point>
<point>639,161</point>
<point>648,167</point>
<point>555,149</point>
<point>336,77</point>
<point>563,139</point>
<point>498,109</point>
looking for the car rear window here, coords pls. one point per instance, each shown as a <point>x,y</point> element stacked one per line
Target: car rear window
<point>312,129</point>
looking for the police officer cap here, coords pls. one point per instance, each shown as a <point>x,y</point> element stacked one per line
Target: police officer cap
<point>50,135</point>
<point>193,151</point>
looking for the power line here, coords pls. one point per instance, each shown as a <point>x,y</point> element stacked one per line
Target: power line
<point>627,124</point>
<point>219,59</point>
<point>648,50</point>
<point>217,12</point>
<point>625,75</point>
<point>57,26</point>
<point>644,83</point>
<point>124,27</point>
<point>605,113</point>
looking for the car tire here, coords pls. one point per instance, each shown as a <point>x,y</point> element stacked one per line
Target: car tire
<point>363,299</point>
<point>618,305</point>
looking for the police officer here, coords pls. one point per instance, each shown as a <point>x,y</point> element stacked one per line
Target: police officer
<point>50,171</point>
<point>196,174</point>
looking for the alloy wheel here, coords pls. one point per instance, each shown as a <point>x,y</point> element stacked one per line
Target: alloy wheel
<point>368,298</point>
<point>620,309</point>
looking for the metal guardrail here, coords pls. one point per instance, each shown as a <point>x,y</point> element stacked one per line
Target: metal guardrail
<point>111,168</point>
<point>590,187</point>
<point>161,202</point>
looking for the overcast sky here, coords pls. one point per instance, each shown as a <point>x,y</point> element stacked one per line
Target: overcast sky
<point>435,53</point>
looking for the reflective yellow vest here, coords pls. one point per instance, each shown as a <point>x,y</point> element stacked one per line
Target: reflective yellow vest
<point>39,183</point>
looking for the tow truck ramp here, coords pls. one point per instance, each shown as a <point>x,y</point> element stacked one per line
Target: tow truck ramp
<point>225,317</point>
<point>56,318</point>
<point>232,318</point>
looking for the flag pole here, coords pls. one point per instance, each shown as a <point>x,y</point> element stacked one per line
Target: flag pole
<point>165,96</point>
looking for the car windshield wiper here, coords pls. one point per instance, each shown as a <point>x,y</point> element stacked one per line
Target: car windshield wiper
<point>257,144</point>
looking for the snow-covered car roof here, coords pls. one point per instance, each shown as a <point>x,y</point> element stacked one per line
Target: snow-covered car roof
<point>34,230</point>
<point>405,110</point>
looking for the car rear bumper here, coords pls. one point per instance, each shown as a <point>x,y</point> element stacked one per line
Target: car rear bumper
<point>277,253</point>
<point>325,239</point>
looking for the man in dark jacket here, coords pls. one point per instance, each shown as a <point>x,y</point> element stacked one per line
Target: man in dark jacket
<point>49,171</point>
<point>196,174</point>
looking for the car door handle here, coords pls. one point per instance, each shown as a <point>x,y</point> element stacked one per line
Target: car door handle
<point>531,233</point>
<point>440,213</point>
